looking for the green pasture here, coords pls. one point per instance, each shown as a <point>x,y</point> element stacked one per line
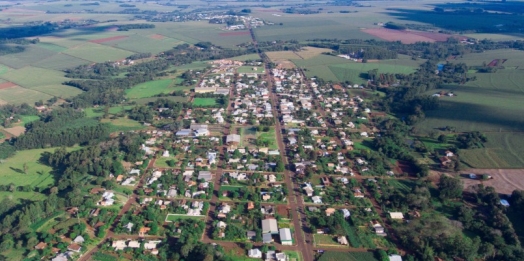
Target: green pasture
<point>98,53</point>
<point>98,112</point>
<point>17,95</point>
<point>62,91</point>
<point>204,101</point>
<point>38,175</point>
<point>60,62</point>
<point>515,58</point>
<point>3,69</point>
<point>19,195</point>
<point>247,57</point>
<point>149,89</point>
<point>123,124</point>
<point>28,118</point>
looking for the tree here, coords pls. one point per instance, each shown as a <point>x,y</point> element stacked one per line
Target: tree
<point>280,166</point>
<point>25,168</point>
<point>442,138</point>
<point>450,187</point>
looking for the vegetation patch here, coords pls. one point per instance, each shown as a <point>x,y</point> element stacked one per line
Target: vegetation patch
<point>205,102</point>
<point>149,89</point>
<point>349,256</point>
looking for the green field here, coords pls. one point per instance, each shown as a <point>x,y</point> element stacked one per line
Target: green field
<point>247,57</point>
<point>332,68</point>
<point>123,124</point>
<point>3,69</point>
<point>30,77</point>
<point>144,101</point>
<point>326,240</point>
<point>31,55</point>
<point>351,256</point>
<point>19,195</point>
<point>162,162</point>
<point>52,47</point>
<point>61,61</point>
<point>503,150</point>
<point>204,101</point>
<point>269,136</point>
<point>38,175</point>
<point>97,52</point>
<point>249,69</point>
<point>17,95</point>
<point>98,112</point>
<point>149,89</point>
<point>144,44</point>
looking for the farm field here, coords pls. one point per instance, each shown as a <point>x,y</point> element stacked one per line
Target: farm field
<point>98,112</point>
<point>31,55</point>
<point>60,61</point>
<point>17,95</point>
<point>349,256</point>
<point>149,89</point>
<point>144,44</point>
<point>97,52</point>
<point>503,150</point>
<point>247,57</point>
<point>204,101</point>
<point>332,68</point>
<point>33,76</point>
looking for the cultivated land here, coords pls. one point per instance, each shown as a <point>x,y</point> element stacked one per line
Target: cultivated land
<point>149,89</point>
<point>38,175</point>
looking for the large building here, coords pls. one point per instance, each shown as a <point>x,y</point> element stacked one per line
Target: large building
<point>269,226</point>
<point>285,236</point>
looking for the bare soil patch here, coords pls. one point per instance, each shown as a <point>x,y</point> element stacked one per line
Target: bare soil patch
<point>235,33</point>
<point>504,180</point>
<point>6,85</point>
<point>108,39</point>
<point>16,131</point>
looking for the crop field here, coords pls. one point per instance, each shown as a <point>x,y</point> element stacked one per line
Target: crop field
<point>60,62</point>
<point>31,55</point>
<point>348,256</point>
<point>204,101</point>
<point>17,95</point>
<point>3,69</point>
<point>34,76</point>
<point>503,150</point>
<point>496,37</point>
<point>407,37</point>
<point>514,58</point>
<point>144,44</point>
<point>332,68</point>
<point>98,53</point>
<point>12,170</point>
<point>60,41</point>
<point>247,57</point>
<point>149,89</point>
<point>51,47</point>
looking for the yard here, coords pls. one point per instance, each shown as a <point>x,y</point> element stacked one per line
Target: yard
<point>326,240</point>
<point>176,217</point>
<point>348,256</point>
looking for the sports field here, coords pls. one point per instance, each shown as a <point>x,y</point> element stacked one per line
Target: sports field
<point>204,101</point>
<point>149,89</point>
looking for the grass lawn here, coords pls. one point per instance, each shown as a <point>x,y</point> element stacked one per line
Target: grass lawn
<point>294,254</point>
<point>98,112</point>
<point>149,89</point>
<point>269,136</point>
<point>204,101</point>
<point>175,217</point>
<point>162,162</point>
<point>247,57</point>
<point>28,118</point>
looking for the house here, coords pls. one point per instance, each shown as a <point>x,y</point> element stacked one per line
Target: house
<point>79,239</point>
<point>342,240</point>
<point>396,215</point>
<point>61,257</point>
<point>133,244</point>
<point>267,238</point>
<point>309,191</point>
<point>254,253</point>
<point>281,257</point>
<point>266,197</point>
<point>270,226</point>
<point>74,247</point>
<point>151,245</point>
<point>330,211</point>
<point>233,139</point>
<point>251,235</point>
<point>250,205</point>
<point>285,236</point>
<point>504,203</point>
<point>395,258</point>
<point>119,244</point>
<point>325,181</point>
<point>143,231</point>
<point>221,225</point>
<point>345,212</point>
<point>449,153</point>
<point>316,199</point>
<point>41,246</point>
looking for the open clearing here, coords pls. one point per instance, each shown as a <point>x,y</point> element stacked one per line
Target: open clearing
<point>504,180</point>
<point>15,131</point>
<point>123,124</point>
<point>204,101</point>
<point>149,89</point>
<point>347,256</point>
<point>12,170</point>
